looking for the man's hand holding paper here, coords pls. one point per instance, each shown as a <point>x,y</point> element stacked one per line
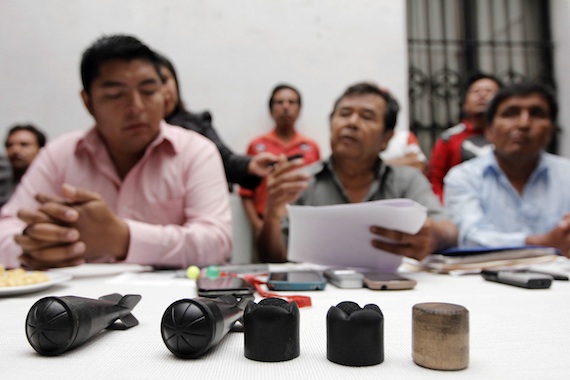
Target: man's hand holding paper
<point>360,235</point>
<point>416,246</point>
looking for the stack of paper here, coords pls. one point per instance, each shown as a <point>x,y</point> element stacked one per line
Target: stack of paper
<point>479,258</point>
<point>339,235</point>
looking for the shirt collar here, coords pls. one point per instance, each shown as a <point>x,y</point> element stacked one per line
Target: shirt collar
<point>91,142</point>
<point>327,168</point>
<point>490,164</point>
<point>297,138</point>
<point>468,125</point>
<point>379,167</point>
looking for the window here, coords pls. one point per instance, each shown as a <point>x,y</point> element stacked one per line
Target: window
<point>449,39</point>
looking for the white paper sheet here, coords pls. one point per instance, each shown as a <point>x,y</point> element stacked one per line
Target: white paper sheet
<point>339,236</point>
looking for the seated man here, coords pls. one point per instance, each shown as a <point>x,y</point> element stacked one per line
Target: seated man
<point>362,123</point>
<point>284,138</point>
<point>131,189</point>
<point>23,143</point>
<point>517,194</point>
<point>467,139</point>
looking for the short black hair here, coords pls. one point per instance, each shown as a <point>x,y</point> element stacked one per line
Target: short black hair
<point>40,136</point>
<point>280,87</point>
<point>109,48</point>
<point>365,88</point>
<point>523,89</point>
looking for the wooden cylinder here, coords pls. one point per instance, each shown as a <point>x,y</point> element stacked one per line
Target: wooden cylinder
<point>440,337</point>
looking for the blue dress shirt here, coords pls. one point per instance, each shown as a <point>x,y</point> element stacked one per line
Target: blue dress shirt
<point>489,211</point>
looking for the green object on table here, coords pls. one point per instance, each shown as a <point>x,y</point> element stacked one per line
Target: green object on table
<point>212,271</point>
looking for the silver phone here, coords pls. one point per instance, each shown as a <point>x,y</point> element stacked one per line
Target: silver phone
<point>387,281</point>
<point>344,278</point>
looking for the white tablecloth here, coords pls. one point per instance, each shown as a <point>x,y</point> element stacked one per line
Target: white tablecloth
<point>514,333</point>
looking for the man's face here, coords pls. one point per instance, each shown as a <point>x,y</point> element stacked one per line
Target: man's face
<point>286,108</point>
<point>21,148</point>
<point>478,96</point>
<point>127,102</point>
<point>521,127</point>
<point>357,127</point>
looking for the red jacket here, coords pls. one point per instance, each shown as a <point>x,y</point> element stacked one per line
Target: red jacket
<point>457,144</point>
<point>270,142</point>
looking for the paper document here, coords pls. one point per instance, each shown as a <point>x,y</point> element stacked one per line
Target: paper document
<point>339,236</point>
<point>468,259</point>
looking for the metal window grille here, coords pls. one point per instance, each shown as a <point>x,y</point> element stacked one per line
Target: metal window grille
<point>449,39</point>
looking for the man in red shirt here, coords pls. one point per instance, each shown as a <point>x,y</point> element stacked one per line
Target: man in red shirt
<point>284,106</point>
<point>466,139</point>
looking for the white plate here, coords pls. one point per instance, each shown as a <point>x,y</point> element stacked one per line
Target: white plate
<point>98,270</point>
<point>54,278</point>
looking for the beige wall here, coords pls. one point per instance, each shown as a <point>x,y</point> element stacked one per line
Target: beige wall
<point>229,55</point>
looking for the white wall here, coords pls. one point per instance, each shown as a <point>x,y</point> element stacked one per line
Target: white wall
<point>229,55</point>
<point>560,14</point>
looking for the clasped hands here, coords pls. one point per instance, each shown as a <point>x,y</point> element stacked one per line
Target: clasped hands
<point>71,230</point>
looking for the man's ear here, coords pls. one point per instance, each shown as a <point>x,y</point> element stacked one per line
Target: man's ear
<point>87,101</point>
<point>386,137</point>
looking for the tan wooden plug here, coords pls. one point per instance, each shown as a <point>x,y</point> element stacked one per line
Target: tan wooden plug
<point>440,337</point>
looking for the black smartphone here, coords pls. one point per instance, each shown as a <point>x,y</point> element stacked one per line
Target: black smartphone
<point>296,280</point>
<point>215,287</point>
<point>295,156</point>
<point>291,158</point>
<point>527,280</point>
<point>557,275</point>
<point>387,281</point>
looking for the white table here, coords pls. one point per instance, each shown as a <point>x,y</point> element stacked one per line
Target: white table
<point>514,333</point>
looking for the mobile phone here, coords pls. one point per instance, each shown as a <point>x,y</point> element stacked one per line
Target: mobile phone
<point>344,278</point>
<point>295,156</point>
<point>387,281</point>
<point>296,280</point>
<point>556,274</point>
<point>291,158</point>
<point>215,287</point>
<point>527,280</point>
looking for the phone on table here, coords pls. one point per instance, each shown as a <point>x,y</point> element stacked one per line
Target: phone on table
<point>344,278</point>
<point>529,280</point>
<point>216,287</point>
<point>387,281</point>
<point>557,275</point>
<point>296,280</point>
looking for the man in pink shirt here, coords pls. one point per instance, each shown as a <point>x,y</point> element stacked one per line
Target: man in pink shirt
<point>131,189</point>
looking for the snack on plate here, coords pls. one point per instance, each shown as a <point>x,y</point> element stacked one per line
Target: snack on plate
<point>18,277</point>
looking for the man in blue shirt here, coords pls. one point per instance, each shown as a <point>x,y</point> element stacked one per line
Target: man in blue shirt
<point>517,194</point>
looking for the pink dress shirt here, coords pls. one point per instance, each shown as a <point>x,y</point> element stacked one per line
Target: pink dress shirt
<point>175,199</point>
